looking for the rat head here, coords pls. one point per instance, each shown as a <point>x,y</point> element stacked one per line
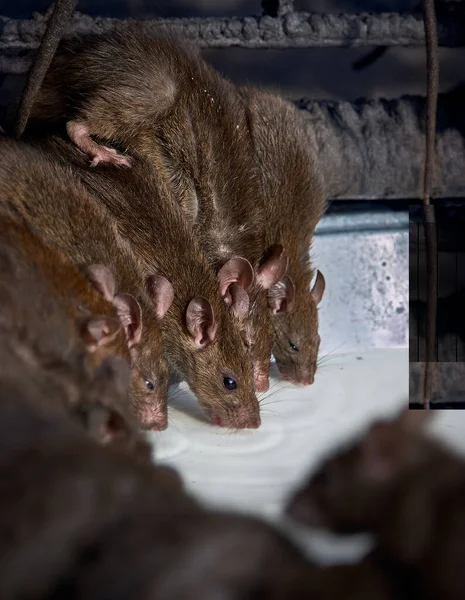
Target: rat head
<point>148,388</point>
<point>258,333</point>
<point>104,412</point>
<point>208,350</point>
<point>295,326</point>
<point>349,493</point>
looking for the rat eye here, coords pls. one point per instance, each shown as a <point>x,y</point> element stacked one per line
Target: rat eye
<point>293,347</point>
<point>229,383</point>
<point>149,385</point>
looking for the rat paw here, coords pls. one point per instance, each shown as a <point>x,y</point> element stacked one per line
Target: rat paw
<point>109,156</point>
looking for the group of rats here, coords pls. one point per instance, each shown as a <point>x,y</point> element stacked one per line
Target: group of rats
<point>85,514</point>
<point>171,215</point>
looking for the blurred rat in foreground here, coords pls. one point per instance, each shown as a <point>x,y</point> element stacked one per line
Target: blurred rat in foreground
<point>41,345</point>
<point>404,487</point>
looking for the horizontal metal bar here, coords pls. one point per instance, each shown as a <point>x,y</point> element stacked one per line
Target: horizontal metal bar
<point>452,405</point>
<point>374,149</point>
<point>363,222</point>
<point>288,30</point>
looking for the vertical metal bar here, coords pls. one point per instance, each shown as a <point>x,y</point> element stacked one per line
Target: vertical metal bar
<point>61,15</point>
<point>418,288</point>
<point>432,68</point>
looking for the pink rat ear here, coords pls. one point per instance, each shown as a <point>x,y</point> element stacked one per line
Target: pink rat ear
<point>161,293</point>
<point>236,270</point>
<point>239,301</point>
<point>281,296</point>
<point>319,287</point>
<point>99,331</point>
<point>273,267</point>
<point>130,315</point>
<point>200,322</point>
<point>102,279</point>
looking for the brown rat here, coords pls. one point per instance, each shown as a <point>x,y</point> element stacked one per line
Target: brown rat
<point>219,185</point>
<point>191,126</point>
<point>293,202</point>
<point>80,519</point>
<point>64,215</point>
<point>218,373</point>
<point>60,492</point>
<point>406,489</point>
<point>97,320</point>
<point>39,343</point>
<point>71,512</point>
<point>203,340</point>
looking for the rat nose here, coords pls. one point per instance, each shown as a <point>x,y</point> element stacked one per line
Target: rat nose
<point>307,379</point>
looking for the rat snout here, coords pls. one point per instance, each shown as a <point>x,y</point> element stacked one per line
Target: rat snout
<point>242,418</point>
<point>306,376</point>
<point>298,375</point>
<point>307,379</point>
<point>246,418</point>
<point>152,417</point>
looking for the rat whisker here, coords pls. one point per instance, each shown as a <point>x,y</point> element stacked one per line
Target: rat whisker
<point>277,391</point>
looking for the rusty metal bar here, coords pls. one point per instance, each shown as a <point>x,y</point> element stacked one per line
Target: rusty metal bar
<point>290,30</point>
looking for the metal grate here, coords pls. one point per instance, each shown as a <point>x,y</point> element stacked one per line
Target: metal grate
<point>278,27</point>
<point>367,149</point>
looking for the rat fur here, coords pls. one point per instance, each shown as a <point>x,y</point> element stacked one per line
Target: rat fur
<point>64,215</point>
<point>404,487</point>
<point>40,344</point>
<point>192,127</point>
<point>203,341</point>
<point>293,202</point>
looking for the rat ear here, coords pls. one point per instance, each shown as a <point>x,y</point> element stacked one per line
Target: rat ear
<point>319,287</point>
<point>130,315</point>
<point>102,279</point>
<point>273,268</point>
<point>161,293</point>
<point>281,296</point>
<point>236,270</point>
<point>239,301</point>
<point>103,423</point>
<point>99,331</point>
<point>200,322</point>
